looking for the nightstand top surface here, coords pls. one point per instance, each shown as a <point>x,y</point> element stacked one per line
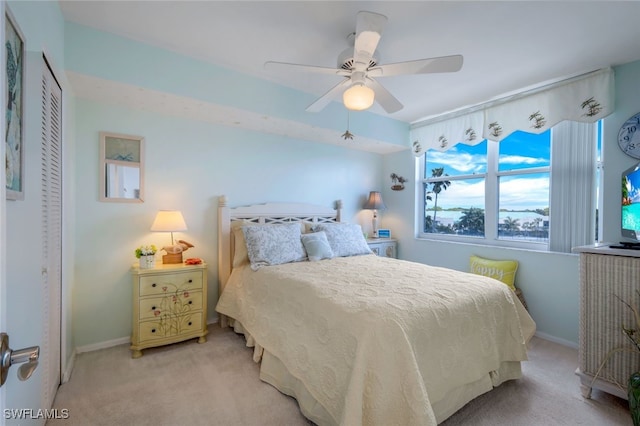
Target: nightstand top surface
<point>162,267</point>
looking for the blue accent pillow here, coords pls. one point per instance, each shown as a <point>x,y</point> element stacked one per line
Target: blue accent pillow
<point>317,246</point>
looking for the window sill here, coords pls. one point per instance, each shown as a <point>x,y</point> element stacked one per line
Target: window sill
<point>483,242</point>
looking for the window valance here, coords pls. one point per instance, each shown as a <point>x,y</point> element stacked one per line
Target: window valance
<point>586,98</point>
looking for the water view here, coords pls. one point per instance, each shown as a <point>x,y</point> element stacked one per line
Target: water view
<point>522,225</point>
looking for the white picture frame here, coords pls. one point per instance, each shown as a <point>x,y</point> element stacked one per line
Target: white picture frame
<point>121,168</point>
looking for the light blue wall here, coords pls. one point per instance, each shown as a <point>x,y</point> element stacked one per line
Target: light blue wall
<point>616,161</point>
<point>110,57</point>
<point>549,281</point>
<point>188,165</point>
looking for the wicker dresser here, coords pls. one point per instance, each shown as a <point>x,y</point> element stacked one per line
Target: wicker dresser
<point>607,277</point>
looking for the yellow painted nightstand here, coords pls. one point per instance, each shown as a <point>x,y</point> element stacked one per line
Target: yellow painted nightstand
<point>169,305</point>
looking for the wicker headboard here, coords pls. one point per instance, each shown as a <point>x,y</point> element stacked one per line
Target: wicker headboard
<point>263,213</point>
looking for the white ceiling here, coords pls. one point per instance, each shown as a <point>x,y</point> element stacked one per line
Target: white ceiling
<point>506,46</point>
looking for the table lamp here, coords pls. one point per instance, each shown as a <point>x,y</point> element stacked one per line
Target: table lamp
<point>375,203</point>
<point>170,221</point>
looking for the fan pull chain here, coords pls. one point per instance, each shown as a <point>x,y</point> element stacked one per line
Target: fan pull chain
<point>347,135</point>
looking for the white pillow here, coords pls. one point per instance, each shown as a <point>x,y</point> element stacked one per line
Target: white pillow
<point>317,246</point>
<point>240,255</point>
<point>345,239</point>
<point>273,244</point>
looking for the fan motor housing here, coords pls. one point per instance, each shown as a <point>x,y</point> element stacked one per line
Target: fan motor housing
<point>345,59</point>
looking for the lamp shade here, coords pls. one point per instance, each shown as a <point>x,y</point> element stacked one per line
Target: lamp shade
<point>169,221</point>
<point>358,97</point>
<point>375,201</point>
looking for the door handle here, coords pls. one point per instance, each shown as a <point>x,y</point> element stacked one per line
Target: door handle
<point>8,357</point>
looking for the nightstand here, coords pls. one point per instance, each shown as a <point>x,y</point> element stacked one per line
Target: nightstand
<point>385,247</point>
<point>169,305</point>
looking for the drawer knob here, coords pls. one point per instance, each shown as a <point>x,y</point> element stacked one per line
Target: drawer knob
<point>153,308</point>
<point>190,302</point>
<point>190,281</point>
<point>190,323</point>
<point>153,285</point>
<point>153,330</point>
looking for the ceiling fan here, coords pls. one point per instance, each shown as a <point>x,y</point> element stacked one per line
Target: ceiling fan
<point>359,66</point>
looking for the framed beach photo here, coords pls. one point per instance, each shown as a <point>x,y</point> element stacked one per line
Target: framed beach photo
<point>14,84</point>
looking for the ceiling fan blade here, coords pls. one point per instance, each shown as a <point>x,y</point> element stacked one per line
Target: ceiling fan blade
<point>451,63</point>
<point>369,28</point>
<point>277,66</point>
<point>331,95</point>
<point>384,97</point>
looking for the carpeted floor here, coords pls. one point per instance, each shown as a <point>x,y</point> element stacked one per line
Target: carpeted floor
<point>216,383</point>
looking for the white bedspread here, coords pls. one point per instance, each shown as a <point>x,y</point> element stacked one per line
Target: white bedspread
<point>376,341</point>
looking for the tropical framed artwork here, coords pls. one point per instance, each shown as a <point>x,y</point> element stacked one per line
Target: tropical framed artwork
<point>14,133</point>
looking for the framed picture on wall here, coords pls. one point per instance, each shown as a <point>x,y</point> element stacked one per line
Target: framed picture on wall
<point>121,168</point>
<point>14,83</point>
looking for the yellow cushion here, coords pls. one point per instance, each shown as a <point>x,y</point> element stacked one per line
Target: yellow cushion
<point>501,270</point>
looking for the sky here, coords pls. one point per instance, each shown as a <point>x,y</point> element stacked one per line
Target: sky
<point>633,185</point>
<point>518,151</point>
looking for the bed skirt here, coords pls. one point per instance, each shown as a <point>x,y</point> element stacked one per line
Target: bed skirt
<point>273,371</point>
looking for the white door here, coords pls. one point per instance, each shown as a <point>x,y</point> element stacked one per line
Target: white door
<point>40,284</point>
<point>3,203</point>
<point>51,197</point>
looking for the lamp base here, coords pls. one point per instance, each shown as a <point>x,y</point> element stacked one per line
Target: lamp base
<point>374,224</point>
<point>172,258</point>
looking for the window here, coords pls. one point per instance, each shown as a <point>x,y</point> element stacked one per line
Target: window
<point>599,185</point>
<point>496,193</point>
<point>454,190</point>
<point>524,161</point>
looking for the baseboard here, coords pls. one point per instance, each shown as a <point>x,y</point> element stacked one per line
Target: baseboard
<point>66,374</point>
<point>557,340</point>
<point>119,341</point>
<point>103,345</point>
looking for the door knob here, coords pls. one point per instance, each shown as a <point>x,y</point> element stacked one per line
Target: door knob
<point>8,357</point>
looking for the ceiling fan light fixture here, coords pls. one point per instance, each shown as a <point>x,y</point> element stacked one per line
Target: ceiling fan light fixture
<point>358,97</point>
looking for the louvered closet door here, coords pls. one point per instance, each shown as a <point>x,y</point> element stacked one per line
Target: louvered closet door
<point>51,231</point>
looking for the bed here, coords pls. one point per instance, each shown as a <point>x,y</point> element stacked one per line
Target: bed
<point>356,338</point>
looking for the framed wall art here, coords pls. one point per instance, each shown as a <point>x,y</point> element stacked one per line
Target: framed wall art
<point>14,83</point>
<point>121,168</point>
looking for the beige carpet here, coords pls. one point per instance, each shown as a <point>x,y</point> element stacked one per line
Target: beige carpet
<point>216,383</point>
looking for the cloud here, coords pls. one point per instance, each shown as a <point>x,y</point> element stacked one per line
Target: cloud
<point>462,193</point>
<point>460,161</point>
<point>521,159</point>
<point>521,193</point>
<point>466,163</point>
